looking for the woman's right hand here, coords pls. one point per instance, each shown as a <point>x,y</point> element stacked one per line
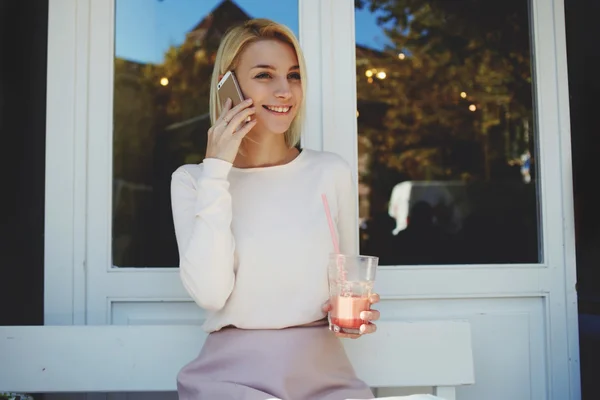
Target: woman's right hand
<point>225,136</point>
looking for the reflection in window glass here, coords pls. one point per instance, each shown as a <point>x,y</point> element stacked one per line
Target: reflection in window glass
<point>165,51</point>
<point>447,160</point>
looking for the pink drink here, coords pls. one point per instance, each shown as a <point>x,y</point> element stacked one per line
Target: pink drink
<point>351,280</point>
<point>345,313</point>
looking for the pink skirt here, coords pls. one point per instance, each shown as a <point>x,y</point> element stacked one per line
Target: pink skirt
<point>295,363</point>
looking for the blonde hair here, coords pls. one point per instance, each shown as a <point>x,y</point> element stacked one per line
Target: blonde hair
<point>235,41</point>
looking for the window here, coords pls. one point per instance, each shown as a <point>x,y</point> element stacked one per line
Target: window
<point>164,58</point>
<point>446,132</point>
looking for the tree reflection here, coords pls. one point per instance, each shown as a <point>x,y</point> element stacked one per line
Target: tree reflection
<point>450,100</point>
<point>161,117</point>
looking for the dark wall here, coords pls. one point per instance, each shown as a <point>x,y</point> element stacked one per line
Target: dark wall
<point>23,42</point>
<point>583,31</point>
<point>584,88</point>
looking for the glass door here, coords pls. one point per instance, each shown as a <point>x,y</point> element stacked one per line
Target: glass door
<point>463,175</point>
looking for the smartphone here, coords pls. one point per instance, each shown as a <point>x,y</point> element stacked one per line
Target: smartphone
<point>228,87</point>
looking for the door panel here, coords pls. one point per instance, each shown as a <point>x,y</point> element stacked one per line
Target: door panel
<point>508,341</point>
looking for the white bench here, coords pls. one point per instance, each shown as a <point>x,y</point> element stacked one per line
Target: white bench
<point>125,358</point>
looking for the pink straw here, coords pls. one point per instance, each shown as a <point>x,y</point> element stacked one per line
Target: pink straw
<point>336,246</point>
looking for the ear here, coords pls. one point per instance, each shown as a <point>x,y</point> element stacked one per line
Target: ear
<point>220,77</point>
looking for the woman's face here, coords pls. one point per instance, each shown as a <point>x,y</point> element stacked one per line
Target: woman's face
<point>269,74</point>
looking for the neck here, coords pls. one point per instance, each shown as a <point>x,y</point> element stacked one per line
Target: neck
<point>263,151</point>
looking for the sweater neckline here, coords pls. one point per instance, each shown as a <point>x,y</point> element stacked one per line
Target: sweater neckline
<point>273,167</point>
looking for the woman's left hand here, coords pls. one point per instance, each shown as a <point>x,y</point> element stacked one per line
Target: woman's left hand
<point>367,316</point>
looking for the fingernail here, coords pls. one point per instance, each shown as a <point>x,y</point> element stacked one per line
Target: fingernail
<point>249,101</point>
<point>363,328</point>
<point>363,315</point>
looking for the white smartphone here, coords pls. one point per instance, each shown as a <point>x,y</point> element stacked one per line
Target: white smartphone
<point>228,87</point>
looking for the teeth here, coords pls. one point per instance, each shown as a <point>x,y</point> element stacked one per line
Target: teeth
<point>279,109</point>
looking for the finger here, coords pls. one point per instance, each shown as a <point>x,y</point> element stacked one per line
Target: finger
<point>372,315</point>
<point>224,109</point>
<point>326,307</point>
<point>374,298</point>
<point>239,118</point>
<point>231,113</point>
<point>365,329</point>
<point>347,335</point>
<point>243,131</point>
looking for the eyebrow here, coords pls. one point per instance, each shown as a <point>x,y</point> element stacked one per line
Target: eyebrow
<point>266,66</point>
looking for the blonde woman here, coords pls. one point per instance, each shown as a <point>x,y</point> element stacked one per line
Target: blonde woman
<point>254,240</point>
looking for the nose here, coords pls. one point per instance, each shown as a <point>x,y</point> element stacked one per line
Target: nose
<point>283,91</point>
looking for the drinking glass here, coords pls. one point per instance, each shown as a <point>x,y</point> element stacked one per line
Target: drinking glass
<point>351,280</point>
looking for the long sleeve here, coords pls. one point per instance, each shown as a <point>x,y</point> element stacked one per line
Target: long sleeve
<point>347,203</point>
<point>202,213</point>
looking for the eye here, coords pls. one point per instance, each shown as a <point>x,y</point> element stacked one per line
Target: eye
<point>294,75</point>
<point>262,75</point>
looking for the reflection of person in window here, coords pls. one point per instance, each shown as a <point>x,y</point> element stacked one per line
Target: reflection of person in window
<point>421,242</point>
<point>253,238</point>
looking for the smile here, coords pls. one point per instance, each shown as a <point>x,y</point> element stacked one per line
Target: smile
<point>280,110</point>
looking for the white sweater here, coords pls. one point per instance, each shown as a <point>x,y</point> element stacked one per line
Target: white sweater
<point>254,243</point>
